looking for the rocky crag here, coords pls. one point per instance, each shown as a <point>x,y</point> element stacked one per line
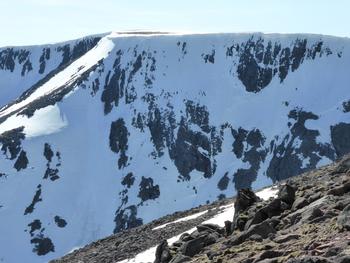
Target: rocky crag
<point>308,221</point>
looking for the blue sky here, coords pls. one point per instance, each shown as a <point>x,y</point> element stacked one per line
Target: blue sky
<point>25,22</point>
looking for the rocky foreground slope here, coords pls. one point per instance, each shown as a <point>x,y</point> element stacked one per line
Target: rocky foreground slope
<point>307,221</point>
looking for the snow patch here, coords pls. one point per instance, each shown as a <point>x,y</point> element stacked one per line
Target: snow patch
<point>267,193</point>
<point>182,219</point>
<point>45,121</point>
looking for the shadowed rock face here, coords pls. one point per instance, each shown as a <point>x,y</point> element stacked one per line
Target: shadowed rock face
<point>43,58</point>
<point>60,222</point>
<point>118,141</point>
<point>42,245</point>
<point>148,190</point>
<point>126,218</point>
<point>48,153</point>
<point>340,134</point>
<point>128,180</point>
<point>35,225</point>
<point>260,61</point>
<point>114,86</point>
<point>223,183</point>
<point>52,171</point>
<point>197,150</point>
<point>9,56</point>
<point>21,162</point>
<point>186,155</point>
<point>285,162</point>
<point>11,142</point>
<point>346,106</point>
<point>37,198</point>
<point>209,58</point>
<point>71,53</point>
<point>119,81</point>
<point>243,178</point>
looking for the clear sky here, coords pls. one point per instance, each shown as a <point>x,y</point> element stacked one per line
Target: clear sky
<point>26,22</point>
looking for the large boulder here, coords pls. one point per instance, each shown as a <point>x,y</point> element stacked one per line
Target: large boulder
<point>245,199</point>
<point>209,228</point>
<point>264,229</point>
<point>163,253</point>
<point>194,246</point>
<point>228,228</point>
<point>287,194</point>
<point>271,209</point>
<point>310,212</point>
<point>299,203</point>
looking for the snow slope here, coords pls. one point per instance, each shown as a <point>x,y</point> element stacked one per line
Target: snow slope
<point>23,67</point>
<point>133,127</point>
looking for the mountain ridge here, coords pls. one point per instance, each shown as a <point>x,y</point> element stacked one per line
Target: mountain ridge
<point>103,146</point>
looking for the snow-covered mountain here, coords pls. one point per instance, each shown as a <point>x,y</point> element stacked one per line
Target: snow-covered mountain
<point>112,131</point>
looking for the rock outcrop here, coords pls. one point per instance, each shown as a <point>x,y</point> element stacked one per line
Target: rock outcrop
<point>309,221</point>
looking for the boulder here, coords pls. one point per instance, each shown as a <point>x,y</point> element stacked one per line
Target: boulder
<point>163,253</point>
<point>287,194</point>
<point>256,238</point>
<point>341,190</point>
<point>333,251</point>
<point>314,197</point>
<point>311,211</point>
<point>186,237</point>
<point>245,199</point>
<point>194,246</point>
<point>286,238</point>
<point>212,254</point>
<point>344,259</point>
<point>273,208</point>
<point>228,228</point>
<point>344,219</point>
<point>257,218</point>
<point>300,202</point>
<point>210,228</point>
<point>263,229</point>
<point>314,213</point>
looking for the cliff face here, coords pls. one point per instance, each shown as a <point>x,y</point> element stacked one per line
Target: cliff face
<point>107,133</point>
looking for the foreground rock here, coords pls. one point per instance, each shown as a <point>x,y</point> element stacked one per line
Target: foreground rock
<point>308,222</point>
